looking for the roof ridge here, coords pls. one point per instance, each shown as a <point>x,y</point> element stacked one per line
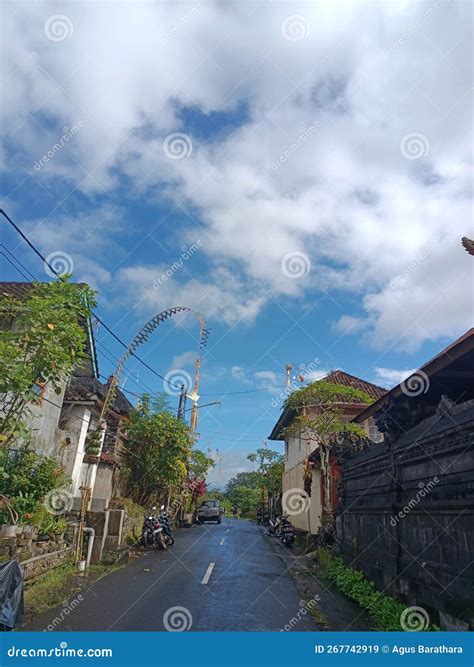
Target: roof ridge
<point>355,377</point>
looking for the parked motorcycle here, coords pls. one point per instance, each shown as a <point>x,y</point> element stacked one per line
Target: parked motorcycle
<point>166,525</point>
<point>274,526</point>
<point>287,533</point>
<point>152,533</point>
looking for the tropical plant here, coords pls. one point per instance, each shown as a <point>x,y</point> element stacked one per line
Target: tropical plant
<point>246,499</point>
<point>249,479</point>
<point>270,471</point>
<point>42,340</point>
<point>157,454</point>
<point>384,611</point>
<point>27,478</point>
<point>320,418</point>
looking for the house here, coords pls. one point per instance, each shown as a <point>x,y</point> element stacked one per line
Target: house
<point>44,413</point>
<point>83,401</point>
<point>61,423</point>
<point>302,474</point>
<point>405,516</point>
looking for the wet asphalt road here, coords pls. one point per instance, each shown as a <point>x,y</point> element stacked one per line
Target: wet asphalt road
<point>247,588</point>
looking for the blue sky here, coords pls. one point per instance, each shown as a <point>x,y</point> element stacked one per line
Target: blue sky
<point>299,173</point>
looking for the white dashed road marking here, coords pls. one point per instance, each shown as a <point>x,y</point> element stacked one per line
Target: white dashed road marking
<point>207,576</point>
<point>221,542</point>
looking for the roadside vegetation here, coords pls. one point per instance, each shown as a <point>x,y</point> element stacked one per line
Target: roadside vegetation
<point>58,586</point>
<point>247,489</point>
<point>383,610</point>
<point>42,340</point>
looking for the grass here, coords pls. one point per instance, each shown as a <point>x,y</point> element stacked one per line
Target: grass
<point>318,616</point>
<point>384,611</point>
<point>58,585</point>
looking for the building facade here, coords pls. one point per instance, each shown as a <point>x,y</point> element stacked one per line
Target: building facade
<point>302,474</point>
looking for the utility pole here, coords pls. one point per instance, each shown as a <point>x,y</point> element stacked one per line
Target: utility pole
<point>195,397</point>
<point>182,403</point>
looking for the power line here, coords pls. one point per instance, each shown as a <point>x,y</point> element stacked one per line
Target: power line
<point>248,391</point>
<point>114,360</point>
<point>14,266</point>
<point>39,254</point>
<point>112,333</point>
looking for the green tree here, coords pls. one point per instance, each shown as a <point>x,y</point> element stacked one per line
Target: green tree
<point>245,498</point>
<point>270,468</point>
<point>42,340</point>
<point>157,454</point>
<point>199,464</point>
<point>320,417</point>
<point>248,479</point>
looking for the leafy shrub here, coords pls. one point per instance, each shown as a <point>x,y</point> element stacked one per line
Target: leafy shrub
<point>26,478</point>
<point>383,610</point>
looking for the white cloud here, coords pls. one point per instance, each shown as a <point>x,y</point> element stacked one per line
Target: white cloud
<point>344,195</point>
<point>239,374</point>
<point>269,380</point>
<point>216,297</point>
<point>390,376</point>
<point>184,360</point>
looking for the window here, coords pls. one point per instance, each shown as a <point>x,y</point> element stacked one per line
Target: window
<point>39,390</point>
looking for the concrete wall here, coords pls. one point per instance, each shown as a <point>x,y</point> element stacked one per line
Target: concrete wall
<point>406,517</point>
<point>104,481</point>
<point>309,519</point>
<point>78,419</point>
<point>43,420</point>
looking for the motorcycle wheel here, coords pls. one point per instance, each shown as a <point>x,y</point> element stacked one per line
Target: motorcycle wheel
<point>170,540</point>
<point>145,540</point>
<point>161,542</point>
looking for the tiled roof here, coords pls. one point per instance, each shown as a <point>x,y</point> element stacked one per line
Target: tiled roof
<point>336,377</point>
<point>347,380</point>
<point>87,388</point>
<point>459,348</point>
<point>18,290</point>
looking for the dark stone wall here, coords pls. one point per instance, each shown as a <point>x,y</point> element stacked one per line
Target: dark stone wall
<point>406,515</point>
